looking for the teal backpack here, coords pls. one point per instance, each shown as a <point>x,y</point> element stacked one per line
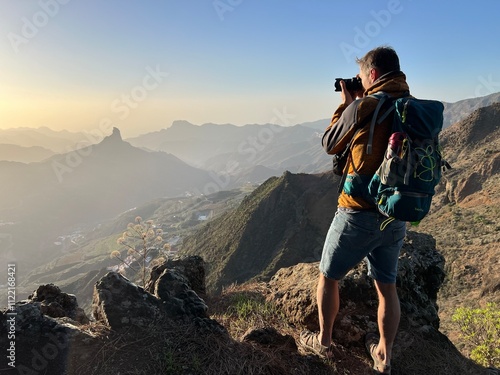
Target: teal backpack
<point>403,186</point>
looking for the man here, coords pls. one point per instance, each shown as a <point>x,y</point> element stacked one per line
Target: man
<point>355,232</point>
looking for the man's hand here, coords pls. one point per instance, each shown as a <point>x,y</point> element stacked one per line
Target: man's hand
<point>347,96</point>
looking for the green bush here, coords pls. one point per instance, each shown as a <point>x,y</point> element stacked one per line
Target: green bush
<point>480,329</point>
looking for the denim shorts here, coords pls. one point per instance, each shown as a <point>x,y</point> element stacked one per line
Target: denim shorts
<point>354,235</point>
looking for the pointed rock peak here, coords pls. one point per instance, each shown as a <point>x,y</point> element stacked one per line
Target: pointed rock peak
<point>116,134</point>
<point>115,137</point>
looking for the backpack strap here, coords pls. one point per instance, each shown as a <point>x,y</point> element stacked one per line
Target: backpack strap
<point>382,97</point>
<point>349,160</point>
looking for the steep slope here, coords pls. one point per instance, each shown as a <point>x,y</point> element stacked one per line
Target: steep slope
<point>281,223</point>
<point>465,215</point>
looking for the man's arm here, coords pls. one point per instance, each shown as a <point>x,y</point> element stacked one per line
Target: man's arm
<point>341,129</point>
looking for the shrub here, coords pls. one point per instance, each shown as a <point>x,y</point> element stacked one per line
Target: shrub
<point>480,329</point>
<point>143,244</point>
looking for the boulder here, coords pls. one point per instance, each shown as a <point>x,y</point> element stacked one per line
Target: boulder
<point>192,268</point>
<point>119,304</point>
<point>40,343</point>
<point>269,337</point>
<point>57,304</point>
<point>420,274</point>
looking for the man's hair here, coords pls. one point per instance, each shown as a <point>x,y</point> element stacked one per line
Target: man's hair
<point>384,59</point>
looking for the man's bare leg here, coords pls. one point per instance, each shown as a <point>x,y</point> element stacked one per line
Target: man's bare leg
<point>389,313</point>
<point>327,295</point>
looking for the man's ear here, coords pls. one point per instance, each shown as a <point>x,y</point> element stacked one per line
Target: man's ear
<point>374,74</point>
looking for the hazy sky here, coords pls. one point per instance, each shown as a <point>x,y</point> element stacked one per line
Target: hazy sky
<point>71,64</point>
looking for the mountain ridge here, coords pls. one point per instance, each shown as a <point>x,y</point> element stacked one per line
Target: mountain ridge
<point>288,213</point>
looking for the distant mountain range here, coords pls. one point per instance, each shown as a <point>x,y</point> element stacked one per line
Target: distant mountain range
<point>458,111</point>
<point>55,141</point>
<point>211,147</point>
<point>24,154</point>
<point>44,200</point>
<point>231,149</point>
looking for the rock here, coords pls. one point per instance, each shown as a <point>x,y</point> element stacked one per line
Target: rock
<point>57,304</point>
<point>192,268</point>
<point>420,275</point>
<point>468,186</point>
<point>47,326</point>
<point>43,344</point>
<point>269,337</point>
<point>118,303</point>
<point>292,289</point>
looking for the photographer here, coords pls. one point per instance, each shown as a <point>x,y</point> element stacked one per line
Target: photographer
<point>355,230</point>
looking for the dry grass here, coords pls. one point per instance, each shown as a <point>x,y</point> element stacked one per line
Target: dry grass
<point>181,349</point>
<point>230,309</point>
<point>168,348</point>
<point>184,351</point>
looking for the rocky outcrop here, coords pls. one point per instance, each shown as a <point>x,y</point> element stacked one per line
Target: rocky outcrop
<point>43,332</point>
<point>120,304</point>
<point>133,325</point>
<point>421,272</point>
<point>57,304</point>
<point>49,330</point>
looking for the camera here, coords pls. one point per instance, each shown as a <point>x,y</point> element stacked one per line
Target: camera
<point>351,84</point>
